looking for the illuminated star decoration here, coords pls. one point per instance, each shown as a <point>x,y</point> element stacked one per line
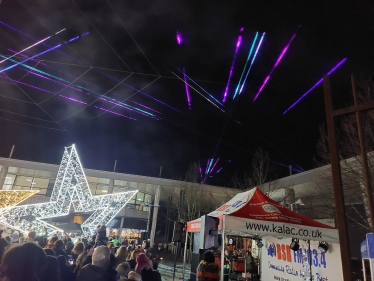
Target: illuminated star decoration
<point>71,188</point>
<point>10,198</point>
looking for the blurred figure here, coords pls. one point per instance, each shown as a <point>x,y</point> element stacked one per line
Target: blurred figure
<point>21,238</point>
<point>123,269</point>
<point>66,273</point>
<point>84,258</point>
<point>51,242</point>
<point>121,256</point>
<point>77,250</point>
<point>132,260</point>
<point>59,248</point>
<point>31,237</point>
<point>97,270</point>
<point>68,244</point>
<point>207,268</point>
<point>52,271</point>
<point>156,274</point>
<point>50,252</point>
<point>111,248</point>
<point>101,235</point>
<point>141,262</point>
<point>133,276</point>
<point>147,274</point>
<point>4,244</point>
<point>92,240</point>
<point>23,263</point>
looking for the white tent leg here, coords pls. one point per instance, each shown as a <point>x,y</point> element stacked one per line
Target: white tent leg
<point>184,254</point>
<point>364,269</point>
<point>223,248</point>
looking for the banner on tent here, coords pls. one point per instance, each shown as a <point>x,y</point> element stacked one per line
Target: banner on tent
<point>279,262</point>
<point>281,229</point>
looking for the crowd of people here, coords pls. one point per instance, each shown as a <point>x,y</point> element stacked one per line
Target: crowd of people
<point>97,259</point>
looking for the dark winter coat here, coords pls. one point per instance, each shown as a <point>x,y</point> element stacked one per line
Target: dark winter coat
<point>94,273</point>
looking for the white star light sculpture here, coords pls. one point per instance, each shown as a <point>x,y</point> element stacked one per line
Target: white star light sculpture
<point>71,189</point>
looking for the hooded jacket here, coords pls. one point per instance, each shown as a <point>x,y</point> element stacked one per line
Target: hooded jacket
<point>94,273</point>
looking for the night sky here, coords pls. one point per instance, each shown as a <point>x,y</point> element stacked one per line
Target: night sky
<point>137,40</point>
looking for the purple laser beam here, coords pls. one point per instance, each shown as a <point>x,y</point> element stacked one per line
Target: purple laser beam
<point>211,170</point>
<point>54,81</point>
<point>188,94</point>
<point>276,63</point>
<point>128,108</point>
<point>179,38</point>
<point>22,55</point>
<point>201,175</point>
<point>19,82</point>
<point>72,99</point>
<point>219,170</point>
<point>146,107</point>
<point>232,68</point>
<point>114,112</point>
<point>319,82</point>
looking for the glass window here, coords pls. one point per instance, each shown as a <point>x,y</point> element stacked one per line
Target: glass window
<point>118,189</point>
<point>93,188</point>
<point>24,181</point>
<point>92,179</point>
<point>102,180</point>
<point>148,198</point>
<point>139,197</point>
<point>7,187</point>
<point>42,191</point>
<point>13,170</point>
<point>40,183</point>
<point>134,184</point>
<point>19,187</point>
<point>101,189</point>
<point>119,182</point>
<point>26,172</point>
<point>9,179</point>
<point>45,174</point>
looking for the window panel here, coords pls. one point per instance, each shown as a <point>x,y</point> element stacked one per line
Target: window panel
<point>118,189</point>
<point>42,191</point>
<point>40,183</point>
<point>102,180</point>
<point>148,198</point>
<point>19,187</point>
<point>13,170</point>
<point>103,189</point>
<point>119,182</point>
<point>7,187</point>
<point>92,179</point>
<point>26,172</point>
<point>24,181</point>
<point>45,174</point>
<point>9,180</point>
<point>139,197</point>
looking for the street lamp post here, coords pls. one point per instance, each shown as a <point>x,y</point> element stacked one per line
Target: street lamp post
<point>149,215</point>
<point>298,202</point>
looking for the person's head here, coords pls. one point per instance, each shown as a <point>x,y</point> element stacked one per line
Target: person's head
<point>61,261</point>
<point>155,263</point>
<point>32,234</point>
<point>123,269</point>
<point>141,261</point>
<point>88,249</point>
<point>50,252</point>
<point>84,240</point>
<point>9,239</point>
<point>122,252</point>
<point>226,252</point>
<point>101,257</point>
<point>59,245</point>
<point>111,245</point>
<point>52,240</point>
<point>133,276</point>
<point>134,254</point>
<point>209,257</point>
<point>23,262</point>
<point>78,248</point>
<point>147,274</point>
<point>52,271</point>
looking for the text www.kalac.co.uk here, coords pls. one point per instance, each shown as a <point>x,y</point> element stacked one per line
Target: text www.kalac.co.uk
<point>284,230</point>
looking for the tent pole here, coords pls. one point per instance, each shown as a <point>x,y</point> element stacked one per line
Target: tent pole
<point>184,254</point>
<point>223,247</point>
<point>245,255</point>
<point>363,269</point>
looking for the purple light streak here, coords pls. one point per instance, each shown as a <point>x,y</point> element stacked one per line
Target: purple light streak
<point>211,170</point>
<point>115,113</point>
<point>219,170</point>
<point>201,175</point>
<point>241,29</point>
<point>229,161</point>
<point>54,81</point>
<point>146,107</point>
<point>28,85</point>
<point>232,68</point>
<point>97,70</point>
<point>72,99</point>
<point>319,82</point>
<point>179,38</point>
<point>276,63</point>
<point>188,94</point>
<point>207,165</point>
<point>22,55</point>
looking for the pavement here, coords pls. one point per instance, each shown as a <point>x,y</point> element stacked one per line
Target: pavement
<point>166,268</point>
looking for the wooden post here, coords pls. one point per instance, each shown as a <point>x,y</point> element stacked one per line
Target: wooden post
<point>345,250</point>
<point>365,168</point>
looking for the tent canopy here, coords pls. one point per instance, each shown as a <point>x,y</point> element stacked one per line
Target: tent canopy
<point>253,213</point>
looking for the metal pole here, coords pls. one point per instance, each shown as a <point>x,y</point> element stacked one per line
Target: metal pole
<point>160,172</point>
<point>11,151</point>
<point>149,217</point>
<point>364,269</point>
<point>290,169</point>
<point>223,248</point>
<point>365,168</point>
<point>115,165</point>
<point>185,254</point>
<point>337,183</point>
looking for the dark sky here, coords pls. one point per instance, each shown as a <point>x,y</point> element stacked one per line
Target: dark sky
<point>136,39</point>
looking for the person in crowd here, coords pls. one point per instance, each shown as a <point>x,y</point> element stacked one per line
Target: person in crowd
<point>121,256</point>
<point>154,250</point>
<point>15,237</point>
<point>92,240</point>
<point>1,233</point>
<point>207,269</point>
<point>59,248</point>
<point>23,262</point>
<point>4,244</point>
<point>66,273</point>
<point>111,268</point>
<point>141,262</point>
<point>112,248</point>
<point>31,237</point>
<point>84,241</point>
<point>123,269</point>
<point>68,244</point>
<point>132,260</point>
<point>84,258</point>
<point>147,274</point>
<point>101,235</point>
<point>42,241</point>
<point>226,266</point>
<point>50,252</point>
<point>52,270</point>
<point>77,250</point>
<point>51,242</point>
<point>97,270</point>
<point>133,276</point>
<point>249,262</point>
<point>115,241</point>
<point>157,275</point>
<point>21,238</point>
<point>129,251</point>
<point>9,239</point>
